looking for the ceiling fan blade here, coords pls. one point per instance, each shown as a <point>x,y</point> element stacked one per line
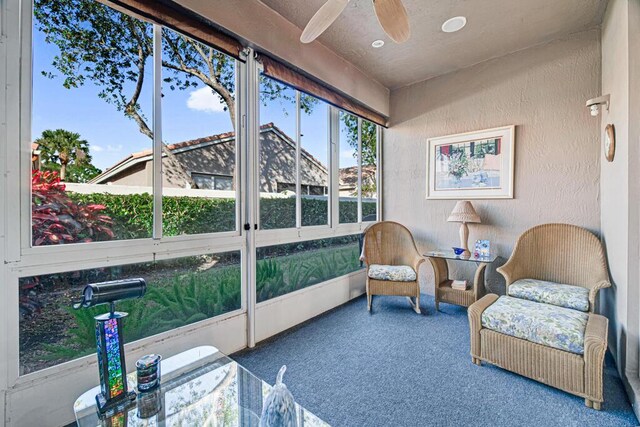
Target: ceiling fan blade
<point>393,19</point>
<point>324,17</point>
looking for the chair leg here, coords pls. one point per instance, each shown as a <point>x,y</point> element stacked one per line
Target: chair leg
<point>415,304</point>
<point>369,299</point>
<point>597,406</point>
<point>588,403</point>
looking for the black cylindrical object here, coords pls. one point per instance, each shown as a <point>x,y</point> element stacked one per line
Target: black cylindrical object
<point>110,292</point>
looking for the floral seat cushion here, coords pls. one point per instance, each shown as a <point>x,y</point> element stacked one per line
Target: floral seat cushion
<point>395,273</point>
<point>545,324</point>
<point>567,296</point>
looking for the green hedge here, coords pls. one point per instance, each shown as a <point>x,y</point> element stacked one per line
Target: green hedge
<point>133,214</point>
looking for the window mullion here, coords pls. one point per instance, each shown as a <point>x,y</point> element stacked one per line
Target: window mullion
<point>359,170</point>
<point>298,165</point>
<point>379,172</point>
<point>334,182</point>
<point>157,131</point>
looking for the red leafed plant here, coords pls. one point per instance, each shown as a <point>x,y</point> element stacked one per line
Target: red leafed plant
<point>57,219</point>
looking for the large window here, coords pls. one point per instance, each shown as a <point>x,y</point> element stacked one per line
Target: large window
<point>293,158</point>
<point>90,127</point>
<point>369,149</point>
<point>314,160</point>
<point>358,169</point>
<point>199,138</point>
<point>93,129</point>
<point>277,155</point>
<point>348,168</point>
<point>179,292</point>
<point>286,268</point>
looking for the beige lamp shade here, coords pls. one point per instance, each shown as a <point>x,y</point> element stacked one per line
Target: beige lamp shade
<point>464,212</point>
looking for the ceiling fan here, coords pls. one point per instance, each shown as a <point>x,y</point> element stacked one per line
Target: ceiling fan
<point>391,14</point>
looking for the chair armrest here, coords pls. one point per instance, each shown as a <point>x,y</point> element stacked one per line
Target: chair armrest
<point>479,282</point>
<point>474,312</point>
<point>416,264</point>
<point>595,346</point>
<point>593,293</point>
<point>476,309</point>
<point>510,272</point>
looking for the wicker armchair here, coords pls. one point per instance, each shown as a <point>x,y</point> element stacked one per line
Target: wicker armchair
<point>391,244</point>
<point>559,253</point>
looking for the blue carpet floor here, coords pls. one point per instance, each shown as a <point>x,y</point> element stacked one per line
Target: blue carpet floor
<point>397,368</point>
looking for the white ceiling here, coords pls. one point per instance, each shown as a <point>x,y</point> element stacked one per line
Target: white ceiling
<point>494,28</point>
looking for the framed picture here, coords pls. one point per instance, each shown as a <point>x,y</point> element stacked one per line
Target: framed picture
<point>482,249</point>
<point>473,165</point>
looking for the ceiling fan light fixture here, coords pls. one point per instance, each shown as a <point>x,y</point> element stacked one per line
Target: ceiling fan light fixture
<point>454,24</point>
<point>377,43</point>
<point>391,14</point>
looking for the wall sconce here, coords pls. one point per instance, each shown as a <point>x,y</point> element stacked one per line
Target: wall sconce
<point>595,103</point>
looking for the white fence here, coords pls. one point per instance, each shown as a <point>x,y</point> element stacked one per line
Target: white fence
<point>184,192</point>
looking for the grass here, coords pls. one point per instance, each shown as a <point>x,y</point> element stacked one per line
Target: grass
<point>187,296</point>
<point>170,302</point>
<point>284,274</point>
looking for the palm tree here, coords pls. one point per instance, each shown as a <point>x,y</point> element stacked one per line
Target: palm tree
<point>64,148</point>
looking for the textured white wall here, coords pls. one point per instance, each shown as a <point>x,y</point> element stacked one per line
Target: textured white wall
<point>615,176</point>
<point>542,90</point>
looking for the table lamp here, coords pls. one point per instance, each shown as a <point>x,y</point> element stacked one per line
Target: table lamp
<point>464,213</point>
<point>114,391</point>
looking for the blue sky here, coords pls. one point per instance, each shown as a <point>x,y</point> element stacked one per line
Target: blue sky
<point>189,114</point>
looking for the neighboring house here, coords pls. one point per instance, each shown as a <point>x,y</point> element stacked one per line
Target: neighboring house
<point>209,163</point>
<point>349,181</point>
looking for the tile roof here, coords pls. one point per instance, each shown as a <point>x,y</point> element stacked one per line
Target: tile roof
<point>203,140</point>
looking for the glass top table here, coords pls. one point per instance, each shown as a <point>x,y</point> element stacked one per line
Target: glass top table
<point>445,291</point>
<point>200,387</point>
<point>450,255</point>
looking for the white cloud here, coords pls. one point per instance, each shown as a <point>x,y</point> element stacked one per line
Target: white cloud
<point>204,99</point>
<point>348,154</point>
<point>109,148</point>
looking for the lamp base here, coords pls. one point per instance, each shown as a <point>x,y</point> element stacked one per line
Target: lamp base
<point>106,408</point>
<point>464,239</point>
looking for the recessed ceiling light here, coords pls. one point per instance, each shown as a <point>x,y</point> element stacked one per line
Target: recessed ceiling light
<point>454,24</point>
<point>378,43</point>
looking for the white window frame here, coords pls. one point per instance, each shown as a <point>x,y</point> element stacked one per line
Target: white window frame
<point>333,228</point>
<point>107,248</point>
<point>28,260</point>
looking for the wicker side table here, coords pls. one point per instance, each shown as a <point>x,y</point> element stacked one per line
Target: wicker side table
<point>443,290</point>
